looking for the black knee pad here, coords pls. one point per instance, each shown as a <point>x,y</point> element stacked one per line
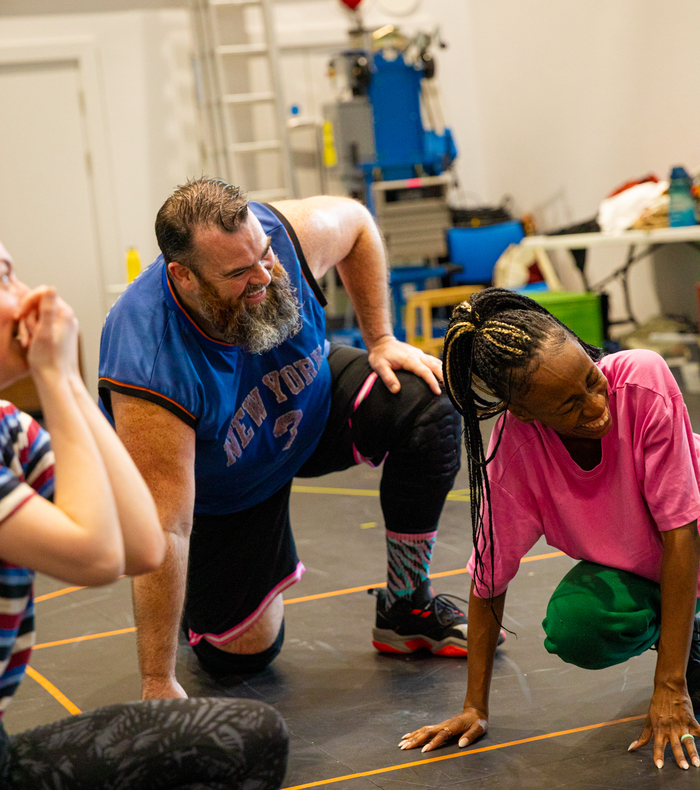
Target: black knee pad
<point>384,421</point>
<point>420,472</point>
<point>434,441</point>
<point>219,663</point>
<point>422,461</point>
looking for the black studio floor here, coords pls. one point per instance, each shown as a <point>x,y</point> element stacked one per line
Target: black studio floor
<point>552,725</point>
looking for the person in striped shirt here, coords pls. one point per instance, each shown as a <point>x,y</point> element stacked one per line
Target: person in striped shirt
<point>75,508</point>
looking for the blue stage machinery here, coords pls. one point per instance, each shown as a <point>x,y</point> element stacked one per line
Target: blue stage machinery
<point>386,124</point>
<point>385,143</point>
<point>404,147</point>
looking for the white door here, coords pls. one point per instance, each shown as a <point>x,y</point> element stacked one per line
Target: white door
<point>47,207</point>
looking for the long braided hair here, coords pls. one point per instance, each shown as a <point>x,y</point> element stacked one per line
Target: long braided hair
<point>492,347</point>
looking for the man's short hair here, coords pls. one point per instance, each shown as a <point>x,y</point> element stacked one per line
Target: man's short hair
<point>206,202</point>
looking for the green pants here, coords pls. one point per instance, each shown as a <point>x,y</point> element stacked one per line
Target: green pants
<point>600,616</point>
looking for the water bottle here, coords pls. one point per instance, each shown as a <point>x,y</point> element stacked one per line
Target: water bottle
<point>133,264</point>
<point>681,206</point>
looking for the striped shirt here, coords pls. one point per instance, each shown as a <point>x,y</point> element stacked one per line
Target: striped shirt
<point>26,469</point>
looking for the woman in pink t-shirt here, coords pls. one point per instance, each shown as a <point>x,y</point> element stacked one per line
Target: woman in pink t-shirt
<point>597,456</point>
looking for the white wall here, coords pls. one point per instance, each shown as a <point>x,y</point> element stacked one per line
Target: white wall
<point>555,103</point>
<point>147,140</point>
<point>151,122</point>
<point>25,7</point>
<point>575,98</point>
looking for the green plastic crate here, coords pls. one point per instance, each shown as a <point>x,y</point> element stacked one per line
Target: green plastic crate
<point>581,312</point>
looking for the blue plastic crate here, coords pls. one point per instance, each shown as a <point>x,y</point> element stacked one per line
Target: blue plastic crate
<point>478,249</point>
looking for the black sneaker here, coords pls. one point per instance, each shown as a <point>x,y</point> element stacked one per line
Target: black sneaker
<point>692,673</point>
<point>420,622</point>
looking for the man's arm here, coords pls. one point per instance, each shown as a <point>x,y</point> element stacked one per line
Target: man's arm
<point>162,447</point>
<point>671,712</point>
<point>339,232</point>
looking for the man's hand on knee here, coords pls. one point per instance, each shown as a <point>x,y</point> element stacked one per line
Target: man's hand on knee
<point>389,354</point>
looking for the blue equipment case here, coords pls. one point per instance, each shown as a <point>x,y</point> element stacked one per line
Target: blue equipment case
<point>476,250</point>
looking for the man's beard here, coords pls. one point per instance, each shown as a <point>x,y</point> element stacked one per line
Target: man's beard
<point>256,328</point>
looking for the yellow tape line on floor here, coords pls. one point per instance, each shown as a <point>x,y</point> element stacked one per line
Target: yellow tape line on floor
<point>454,496</point>
<point>346,591</point>
<point>53,691</point>
<point>56,593</point>
<point>461,495</point>
<point>457,496</point>
<point>318,596</point>
<point>439,575</point>
<point>69,706</point>
<point>464,753</point>
<point>85,638</point>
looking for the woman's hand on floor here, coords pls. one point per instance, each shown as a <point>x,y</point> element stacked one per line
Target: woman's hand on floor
<point>670,718</point>
<point>469,726</point>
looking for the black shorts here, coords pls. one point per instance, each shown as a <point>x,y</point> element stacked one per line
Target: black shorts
<point>238,563</point>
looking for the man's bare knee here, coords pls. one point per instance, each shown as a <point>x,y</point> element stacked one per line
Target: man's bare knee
<point>261,634</point>
<point>249,653</point>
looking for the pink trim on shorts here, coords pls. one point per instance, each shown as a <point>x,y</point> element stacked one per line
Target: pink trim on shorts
<point>365,390</point>
<point>411,535</point>
<point>237,630</point>
<point>360,459</point>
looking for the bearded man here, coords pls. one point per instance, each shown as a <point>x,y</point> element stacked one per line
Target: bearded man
<point>216,371</point>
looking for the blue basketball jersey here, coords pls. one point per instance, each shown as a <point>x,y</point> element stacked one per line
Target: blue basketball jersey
<point>257,417</point>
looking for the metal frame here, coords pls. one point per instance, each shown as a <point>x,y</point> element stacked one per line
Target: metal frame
<point>222,143</point>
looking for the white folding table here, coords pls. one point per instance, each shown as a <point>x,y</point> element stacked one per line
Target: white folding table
<point>650,240</point>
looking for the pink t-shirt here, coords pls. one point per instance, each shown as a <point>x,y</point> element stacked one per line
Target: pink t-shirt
<point>648,479</point>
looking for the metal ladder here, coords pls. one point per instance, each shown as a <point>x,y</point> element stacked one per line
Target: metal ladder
<point>239,89</point>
